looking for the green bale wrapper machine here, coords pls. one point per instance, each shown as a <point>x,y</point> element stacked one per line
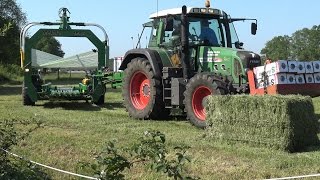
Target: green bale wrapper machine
<point>92,87</point>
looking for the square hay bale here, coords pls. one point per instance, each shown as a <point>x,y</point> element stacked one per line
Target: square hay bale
<point>301,67</point>
<point>291,78</point>
<point>286,123</point>
<point>292,66</point>
<point>309,78</point>
<point>316,66</point>
<point>316,77</point>
<point>309,67</point>
<point>280,78</point>
<point>300,79</point>
<point>277,67</point>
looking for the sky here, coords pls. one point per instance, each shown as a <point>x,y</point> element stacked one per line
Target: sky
<point>123,19</point>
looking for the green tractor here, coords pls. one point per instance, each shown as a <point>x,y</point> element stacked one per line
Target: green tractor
<point>192,53</point>
<point>93,86</point>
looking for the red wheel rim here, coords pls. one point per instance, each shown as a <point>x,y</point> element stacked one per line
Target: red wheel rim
<point>139,90</point>
<point>198,95</point>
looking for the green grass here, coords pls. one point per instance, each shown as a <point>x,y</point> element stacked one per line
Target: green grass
<point>75,131</point>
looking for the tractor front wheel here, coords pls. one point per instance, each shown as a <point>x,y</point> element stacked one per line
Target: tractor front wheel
<point>197,90</point>
<point>142,91</point>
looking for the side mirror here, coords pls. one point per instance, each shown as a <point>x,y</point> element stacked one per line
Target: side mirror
<point>238,45</point>
<point>254,28</point>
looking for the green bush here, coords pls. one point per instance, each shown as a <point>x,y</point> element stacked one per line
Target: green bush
<point>151,150</point>
<point>279,122</point>
<point>10,167</point>
<point>10,72</point>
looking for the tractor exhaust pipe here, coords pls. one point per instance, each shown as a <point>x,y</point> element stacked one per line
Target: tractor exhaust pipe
<point>185,44</point>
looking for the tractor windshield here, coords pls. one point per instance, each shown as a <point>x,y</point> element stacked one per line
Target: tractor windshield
<point>211,31</point>
<point>203,30</point>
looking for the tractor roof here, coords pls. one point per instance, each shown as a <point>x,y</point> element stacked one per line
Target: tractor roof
<point>173,11</point>
<point>190,10</point>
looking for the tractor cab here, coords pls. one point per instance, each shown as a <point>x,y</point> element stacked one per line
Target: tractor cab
<point>213,43</point>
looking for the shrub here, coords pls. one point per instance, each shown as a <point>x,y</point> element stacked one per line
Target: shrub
<point>280,122</point>
<point>150,150</point>
<point>11,168</point>
<point>10,72</point>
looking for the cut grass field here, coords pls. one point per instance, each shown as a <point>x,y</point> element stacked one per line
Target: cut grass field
<point>75,131</point>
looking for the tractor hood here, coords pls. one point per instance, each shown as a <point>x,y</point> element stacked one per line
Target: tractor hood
<point>249,59</point>
<point>228,62</point>
<point>226,56</point>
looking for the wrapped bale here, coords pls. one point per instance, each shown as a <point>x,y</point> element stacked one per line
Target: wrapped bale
<point>279,122</point>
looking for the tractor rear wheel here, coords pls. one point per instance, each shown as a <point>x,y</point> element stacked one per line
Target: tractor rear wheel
<point>26,101</point>
<point>197,90</point>
<point>142,91</point>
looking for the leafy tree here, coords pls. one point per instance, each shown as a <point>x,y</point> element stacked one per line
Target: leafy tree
<point>5,29</point>
<point>306,44</point>
<point>303,45</point>
<point>10,10</point>
<point>11,20</point>
<point>9,49</point>
<point>278,48</point>
<point>50,45</point>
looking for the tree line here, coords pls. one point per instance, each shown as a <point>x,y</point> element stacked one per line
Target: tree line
<point>303,45</point>
<point>12,20</point>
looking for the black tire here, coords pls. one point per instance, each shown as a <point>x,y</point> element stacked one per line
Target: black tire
<point>26,101</point>
<point>100,100</point>
<point>199,87</point>
<point>142,91</point>
<point>102,97</point>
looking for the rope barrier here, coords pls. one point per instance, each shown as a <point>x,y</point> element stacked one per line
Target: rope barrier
<point>48,167</point>
<point>93,178</point>
<point>295,177</point>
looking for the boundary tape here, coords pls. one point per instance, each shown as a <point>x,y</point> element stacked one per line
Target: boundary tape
<point>48,167</point>
<point>295,177</point>
<point>93,178</point>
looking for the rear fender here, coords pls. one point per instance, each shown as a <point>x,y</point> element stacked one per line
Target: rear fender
<point>151,55</point>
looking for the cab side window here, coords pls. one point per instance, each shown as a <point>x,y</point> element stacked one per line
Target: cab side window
<point>172,30</point>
